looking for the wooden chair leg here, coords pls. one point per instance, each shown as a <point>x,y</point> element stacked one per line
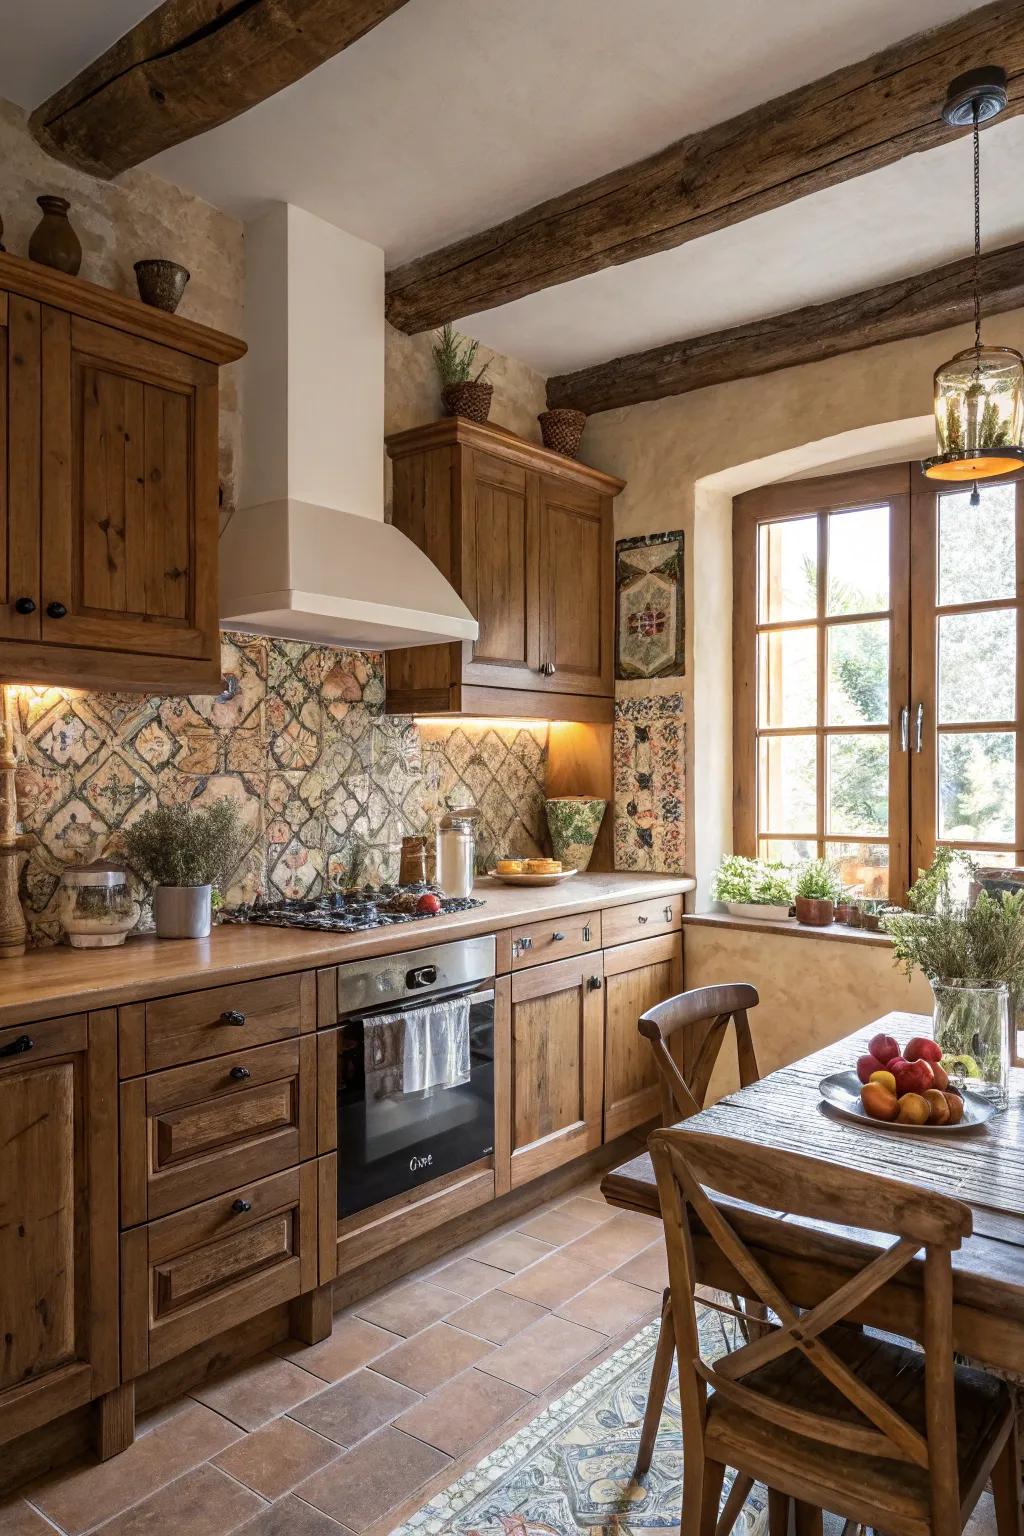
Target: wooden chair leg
<point>1006,1488</point>
<point>739,1493</point>
<point>778,1513</point>
<point>808,1520</point>
<point>661,1371</point>
<point>711,1496</point>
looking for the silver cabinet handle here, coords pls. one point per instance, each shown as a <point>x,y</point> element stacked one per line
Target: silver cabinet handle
<point>557,937</point>
<point>548,668</point>
<point>919,728</point>
<point>904,727</point>
<point>586,934</point>
<point>668,914</point>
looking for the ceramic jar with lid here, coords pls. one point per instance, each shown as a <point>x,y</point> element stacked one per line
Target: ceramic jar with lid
<point>96,905</point>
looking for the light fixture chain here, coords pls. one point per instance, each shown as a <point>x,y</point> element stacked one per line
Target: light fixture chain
<point>977,232</point>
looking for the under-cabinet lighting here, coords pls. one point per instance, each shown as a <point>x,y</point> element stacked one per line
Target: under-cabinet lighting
<point>498,723</point>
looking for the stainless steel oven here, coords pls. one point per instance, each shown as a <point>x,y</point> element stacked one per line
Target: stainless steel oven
<point>415,1069</point>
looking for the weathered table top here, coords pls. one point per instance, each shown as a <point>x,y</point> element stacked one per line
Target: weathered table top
<point>983,1168</point>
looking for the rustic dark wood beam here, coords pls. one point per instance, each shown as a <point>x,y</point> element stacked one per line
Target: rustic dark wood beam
<point>188,67</point>
<point>913,306</point>
<point>858,119</point>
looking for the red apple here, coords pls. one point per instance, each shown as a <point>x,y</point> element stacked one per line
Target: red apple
<point>923,1077</point>
<point>907,1075</point>
<point>866,1065</point>
<point>428,902</point>
<point>922,1047</point>
<point>883,1048</point>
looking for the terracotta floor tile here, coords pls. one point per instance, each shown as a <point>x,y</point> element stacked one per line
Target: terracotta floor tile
<point>553,1280</point>
<point>355,1407</point>
<point>252,1394</point>
<point>460,1413</point>
<point>468,1277</point>
<point>513,1251</point>
<point>273,1459</point>
<point>408,1307</point>
<point>84,1494</point>
<point>18,1519</point>
<point>497,1316</point>
<point>649,1268</point>
<point>352,1344</point>
<point>431,1357</point>
<point>291,1517</point>
<point>613,1242</point>
<point>203,1502</point>
<point>592,1212</point>
<point>556,1226</point>
<point>540,1354</point>
<point>610,1305</point>
<point>360,1487</point>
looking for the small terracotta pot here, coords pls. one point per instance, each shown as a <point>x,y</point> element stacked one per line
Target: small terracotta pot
<point>814,911</point>
<point>161,283</point>
<point>54,242</point>
<point>471,399</point>
<point>562,430</point>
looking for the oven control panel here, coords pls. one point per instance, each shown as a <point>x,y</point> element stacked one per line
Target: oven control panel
<point>366,985</point>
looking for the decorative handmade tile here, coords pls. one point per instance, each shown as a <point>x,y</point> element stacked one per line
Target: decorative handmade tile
<point>327,785</point>
<point>650,790</point>
<point>649,608</point>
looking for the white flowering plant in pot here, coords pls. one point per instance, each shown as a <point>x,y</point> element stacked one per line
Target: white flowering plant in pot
<point>759,888</point>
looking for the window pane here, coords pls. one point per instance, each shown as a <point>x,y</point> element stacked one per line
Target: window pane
<point>976,786</point>
<point>787,570</point>
<point>863,867</point>
<point>788,680</point>
<point>858,673</point>
<point>787,781</point>
<point>788,850</point>
<point>858,561</point>
<point>960,879</point>
<point>978,666</point>
<point>858,784</point>
<point>976,545</point>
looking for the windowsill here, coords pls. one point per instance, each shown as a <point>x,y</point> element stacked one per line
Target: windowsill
<point>787,927</point>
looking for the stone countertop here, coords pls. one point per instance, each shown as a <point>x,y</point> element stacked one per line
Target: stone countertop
<point>47,982</point>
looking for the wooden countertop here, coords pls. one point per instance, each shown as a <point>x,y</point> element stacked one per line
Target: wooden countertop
<point>48,982</point>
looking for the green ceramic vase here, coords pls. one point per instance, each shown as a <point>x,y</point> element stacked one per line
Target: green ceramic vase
<point>574,822</point>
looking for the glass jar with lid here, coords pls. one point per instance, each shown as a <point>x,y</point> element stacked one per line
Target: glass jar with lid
<point>96,905</point>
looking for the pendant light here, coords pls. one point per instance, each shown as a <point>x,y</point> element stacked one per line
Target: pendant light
<point>979,393</point>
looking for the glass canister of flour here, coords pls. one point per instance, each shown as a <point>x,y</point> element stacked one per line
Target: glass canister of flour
<point>456,850</point>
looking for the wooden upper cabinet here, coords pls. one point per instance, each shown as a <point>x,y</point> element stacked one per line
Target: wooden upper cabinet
<point>526,538</point>
<point>110,509</point>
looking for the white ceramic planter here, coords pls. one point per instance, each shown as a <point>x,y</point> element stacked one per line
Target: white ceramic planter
<point>756,909</point>
<point>182,911</point>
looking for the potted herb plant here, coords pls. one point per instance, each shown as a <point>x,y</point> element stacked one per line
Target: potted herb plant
<point>463,393</point>
<point>818,888</point>
<point>753,887</point>
<point>183,851</point>
<point>973,956</point>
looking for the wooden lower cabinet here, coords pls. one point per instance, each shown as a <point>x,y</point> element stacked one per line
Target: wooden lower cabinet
<point>58,1218</point>
<point>190,1276</point>
<point>557,1066</point>
<point>636,976</point>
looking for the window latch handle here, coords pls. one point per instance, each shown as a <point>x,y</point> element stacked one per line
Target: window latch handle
<point>904,727</point>
<point>919,728</point>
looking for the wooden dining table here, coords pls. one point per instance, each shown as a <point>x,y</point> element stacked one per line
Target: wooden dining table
<point>983,1167</point>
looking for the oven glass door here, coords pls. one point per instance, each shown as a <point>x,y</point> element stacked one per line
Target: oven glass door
<point>392,1137</point>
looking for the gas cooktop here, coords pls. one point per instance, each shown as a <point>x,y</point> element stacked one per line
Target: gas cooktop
<point>350,911</point>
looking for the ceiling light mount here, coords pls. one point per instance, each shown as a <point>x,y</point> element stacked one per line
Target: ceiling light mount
<point>981,91</point>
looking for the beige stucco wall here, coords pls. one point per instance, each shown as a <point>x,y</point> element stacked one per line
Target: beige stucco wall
<point>813,990</point>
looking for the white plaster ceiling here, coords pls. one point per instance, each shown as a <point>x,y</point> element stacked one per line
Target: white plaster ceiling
<point>452,115</point>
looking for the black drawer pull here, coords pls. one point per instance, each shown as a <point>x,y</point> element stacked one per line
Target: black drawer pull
<point>56,610</point>
<point>232,1016</point>
<point>641,921</point>
<point>239,1074</point>
<point>594,984</point>
<point>241,1206</point>
<point>557,936</point>
<point>25,605</point>
<point>17,1047</point>
<point>668,914</point>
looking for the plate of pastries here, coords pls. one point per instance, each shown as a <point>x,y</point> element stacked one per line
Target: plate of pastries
<point>531,871</point>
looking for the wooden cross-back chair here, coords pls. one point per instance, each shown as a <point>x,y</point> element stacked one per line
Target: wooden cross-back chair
<point>823,1413</point>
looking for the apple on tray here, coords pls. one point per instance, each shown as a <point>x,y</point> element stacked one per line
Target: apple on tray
<point>908,1087</point>
<point>883,1048</point>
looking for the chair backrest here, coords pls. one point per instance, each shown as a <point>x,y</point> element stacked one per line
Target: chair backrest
<point>697,1022</point>
<point>689,1164</point>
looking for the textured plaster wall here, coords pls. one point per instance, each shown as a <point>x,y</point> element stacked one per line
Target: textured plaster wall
<point>123,221</point>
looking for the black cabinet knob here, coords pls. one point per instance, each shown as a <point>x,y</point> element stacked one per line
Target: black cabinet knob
<point>17,1047</point>
<point>25,605</point>
<point>56,610</point>
<point>557,937</point>
<point>594,984</point>
<point>241,1206</point>
<point>239,1074</point>
<point>232,1016</point>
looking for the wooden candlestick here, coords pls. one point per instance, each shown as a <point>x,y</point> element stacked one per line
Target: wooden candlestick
<point>12,919</point>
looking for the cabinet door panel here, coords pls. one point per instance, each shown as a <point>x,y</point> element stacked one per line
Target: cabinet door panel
<point>636,977</point>
<point>500,572</point>
<point>557,1065</point>
<point>576,630</point>
<point>20,405</point>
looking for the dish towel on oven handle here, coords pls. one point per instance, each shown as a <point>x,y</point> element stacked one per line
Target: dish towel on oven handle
<point>436,1048</point>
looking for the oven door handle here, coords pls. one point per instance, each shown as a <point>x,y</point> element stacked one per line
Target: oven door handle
<point>473,994</point>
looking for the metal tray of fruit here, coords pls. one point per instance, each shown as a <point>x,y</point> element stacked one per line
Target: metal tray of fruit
<point>842,1091</point>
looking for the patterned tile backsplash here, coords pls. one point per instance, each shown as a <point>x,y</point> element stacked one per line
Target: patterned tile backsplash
<point>326,783</point>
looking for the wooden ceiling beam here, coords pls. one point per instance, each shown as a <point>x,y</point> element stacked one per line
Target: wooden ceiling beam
<point>858,119</point>
<point>188,67</point>
<point>912,306</point>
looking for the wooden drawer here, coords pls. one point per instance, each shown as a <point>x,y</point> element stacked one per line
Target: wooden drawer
<point>641,920</point>
<point>191,1276</point>
<point>247,1013</point>
<point>196,1131</point>
<point>555,939</point>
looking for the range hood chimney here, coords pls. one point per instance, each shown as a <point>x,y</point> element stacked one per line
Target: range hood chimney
<point>308,555</point>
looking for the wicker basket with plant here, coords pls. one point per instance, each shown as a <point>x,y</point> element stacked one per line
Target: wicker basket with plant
<point>463,393</point>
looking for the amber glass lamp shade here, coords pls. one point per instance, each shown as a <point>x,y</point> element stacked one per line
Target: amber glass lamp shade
<point>979,415</point>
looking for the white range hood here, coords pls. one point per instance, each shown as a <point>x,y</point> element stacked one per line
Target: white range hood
<point>308,555</point>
